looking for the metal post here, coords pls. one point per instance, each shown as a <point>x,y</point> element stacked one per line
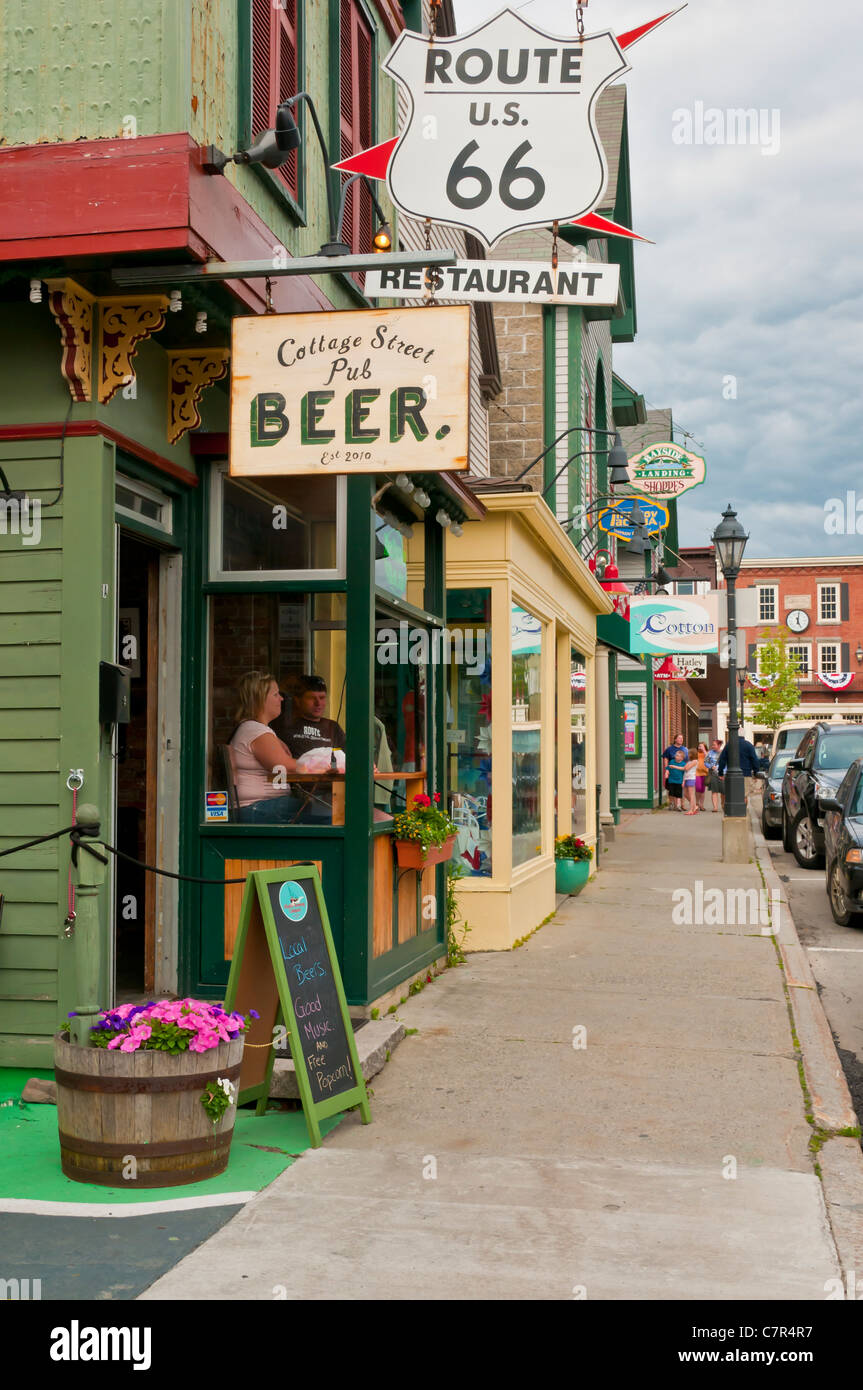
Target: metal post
<point>735,788</point>
<point>598,826</point>
<point>87,938</point>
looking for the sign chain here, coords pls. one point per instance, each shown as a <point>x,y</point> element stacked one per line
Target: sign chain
<point>555,227</point>
<point>579,19</point>
<point>434,7</point>
<point>269,306</point>
<point>432,277</point>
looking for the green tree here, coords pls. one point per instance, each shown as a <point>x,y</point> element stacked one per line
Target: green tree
<point>770,707</point>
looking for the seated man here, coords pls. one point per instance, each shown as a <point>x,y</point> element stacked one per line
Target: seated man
<point>310,729</point>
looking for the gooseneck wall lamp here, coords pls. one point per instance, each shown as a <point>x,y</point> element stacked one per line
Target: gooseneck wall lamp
<point>273,148</point>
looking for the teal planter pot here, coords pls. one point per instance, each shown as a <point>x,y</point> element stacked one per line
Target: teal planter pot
<point>570,875</point>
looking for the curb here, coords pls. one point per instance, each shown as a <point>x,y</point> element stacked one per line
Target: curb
<point>841,1158</point>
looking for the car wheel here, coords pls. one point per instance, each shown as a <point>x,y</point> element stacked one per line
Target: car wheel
<point>770,832</point>
<point>803,844</point>
<point>786,833</point>
<point>843,912</point>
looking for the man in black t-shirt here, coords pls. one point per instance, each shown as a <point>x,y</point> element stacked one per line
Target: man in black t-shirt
<point>309,729</point>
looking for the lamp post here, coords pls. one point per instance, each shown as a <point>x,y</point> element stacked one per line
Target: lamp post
<point>730,539</point>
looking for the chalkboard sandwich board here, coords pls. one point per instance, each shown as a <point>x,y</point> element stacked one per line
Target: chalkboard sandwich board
<point>285,967</point>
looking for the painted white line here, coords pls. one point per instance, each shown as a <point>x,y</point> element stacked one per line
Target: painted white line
<point>806,878</point>
<point>845,950</point>
<point>37,1208</point>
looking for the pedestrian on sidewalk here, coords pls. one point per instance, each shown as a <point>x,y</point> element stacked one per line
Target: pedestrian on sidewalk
<point>667,758</point>
<point>701,775</point>
<point>689,779</point>
<point>674,780</point>
<point>749,765</point>
<point>714,782</point>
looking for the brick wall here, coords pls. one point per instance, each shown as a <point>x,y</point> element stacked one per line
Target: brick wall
<point>515,416</point>
<point>798,589</point>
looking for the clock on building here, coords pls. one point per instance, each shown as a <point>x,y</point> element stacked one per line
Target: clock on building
<point>798,620</point>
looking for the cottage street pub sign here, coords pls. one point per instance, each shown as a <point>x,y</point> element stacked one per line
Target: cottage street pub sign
<point>502,131</point>
<point>365,391</point>
<point>666,470</point>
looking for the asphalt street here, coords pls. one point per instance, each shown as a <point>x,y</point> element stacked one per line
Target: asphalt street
<point>836,957</point>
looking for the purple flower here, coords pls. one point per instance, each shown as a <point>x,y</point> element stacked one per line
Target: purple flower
<point>253,1013</point>
<point>73,1014</point>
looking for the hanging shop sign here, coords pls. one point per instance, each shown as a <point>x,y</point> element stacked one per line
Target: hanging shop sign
<point>666,470</point>
<point>583,283</point>
<point>680,667</point>
<point>354,392</point>
<point>674,625</point>
<point>614,519</point>
<point>502,128</point>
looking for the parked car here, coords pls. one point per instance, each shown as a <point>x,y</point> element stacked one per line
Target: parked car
<point>816,770</point>
<point>771,795</point>
<point>843,847</point>
<point>788,735</point>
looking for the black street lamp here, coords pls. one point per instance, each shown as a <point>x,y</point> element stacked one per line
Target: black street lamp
<point>729,540</point>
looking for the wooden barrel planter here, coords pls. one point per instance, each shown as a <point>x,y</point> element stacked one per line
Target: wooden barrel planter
<point>147,1105</point>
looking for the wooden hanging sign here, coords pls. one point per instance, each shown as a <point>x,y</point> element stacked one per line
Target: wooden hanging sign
<point>285,967</point>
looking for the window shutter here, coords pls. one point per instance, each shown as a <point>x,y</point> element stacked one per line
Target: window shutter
<point>356,50</point>
<point>274,74</point>
<point>843,604</point>
<point>262,66</point>
<point>846,657</point>
<point>752,659</point>
<point>287,84</point>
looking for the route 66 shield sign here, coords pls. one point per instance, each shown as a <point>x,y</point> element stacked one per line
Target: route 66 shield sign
<point>502,132</point>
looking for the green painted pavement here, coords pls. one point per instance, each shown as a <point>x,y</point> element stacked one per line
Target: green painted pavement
<point>30,1166</point>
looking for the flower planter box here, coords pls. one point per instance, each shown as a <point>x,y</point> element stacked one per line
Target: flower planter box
<point>146,1105</point>
<point>409,853</point>
<point>570,875</point>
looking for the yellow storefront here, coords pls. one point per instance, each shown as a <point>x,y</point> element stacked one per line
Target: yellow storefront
<point>521,625</point>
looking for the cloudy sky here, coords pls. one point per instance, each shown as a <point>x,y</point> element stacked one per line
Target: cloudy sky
<point>757,271</point>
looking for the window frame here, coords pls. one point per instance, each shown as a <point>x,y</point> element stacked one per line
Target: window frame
<point>323,577</point>
<point>837,648</point>
<point>836,586</point>
<point>805,675</point>
<point>296,207</point>
<point>774,590</point>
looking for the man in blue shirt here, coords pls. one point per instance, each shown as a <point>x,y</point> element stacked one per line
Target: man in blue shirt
<point>750,764</point>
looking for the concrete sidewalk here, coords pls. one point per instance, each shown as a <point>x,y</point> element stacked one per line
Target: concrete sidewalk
<point>665,1158</point>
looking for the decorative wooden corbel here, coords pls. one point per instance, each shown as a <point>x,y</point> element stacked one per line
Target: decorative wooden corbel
<point>72,308</point>
<point>124,321</point>
<point>190,372</point>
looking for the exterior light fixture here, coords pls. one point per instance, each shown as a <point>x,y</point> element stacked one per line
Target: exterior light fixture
<point>729,540</point>
<point>443,518</point>
<point>175,301</point>
<point>618,464</point>
<point>421,498</point>
<point>201,322</point>
<point>457,529</point>
<point>383,238</point>
<point>404,483</point>
<point>35,291</point>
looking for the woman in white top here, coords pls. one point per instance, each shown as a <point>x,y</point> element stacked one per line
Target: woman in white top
<point>257,753</point>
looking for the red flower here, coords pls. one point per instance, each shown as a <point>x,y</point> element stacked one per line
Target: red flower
<point>422,800</point>
<point>436,796</point>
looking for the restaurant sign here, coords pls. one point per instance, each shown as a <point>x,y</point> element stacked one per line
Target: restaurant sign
<point>355,392</point>
<point>585,283</point>
<point>659,625</point>
<point>666,470</point>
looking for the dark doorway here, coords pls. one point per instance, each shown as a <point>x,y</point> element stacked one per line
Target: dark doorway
<point>137,647</point>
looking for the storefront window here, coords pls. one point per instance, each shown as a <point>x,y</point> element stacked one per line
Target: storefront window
<point>402,655</point>
<point>526,735</point>
<point>391,571</point>
<point>468,726</point>
<point>277,709</point>
<point>276,525</point>
<point>578,696</point>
